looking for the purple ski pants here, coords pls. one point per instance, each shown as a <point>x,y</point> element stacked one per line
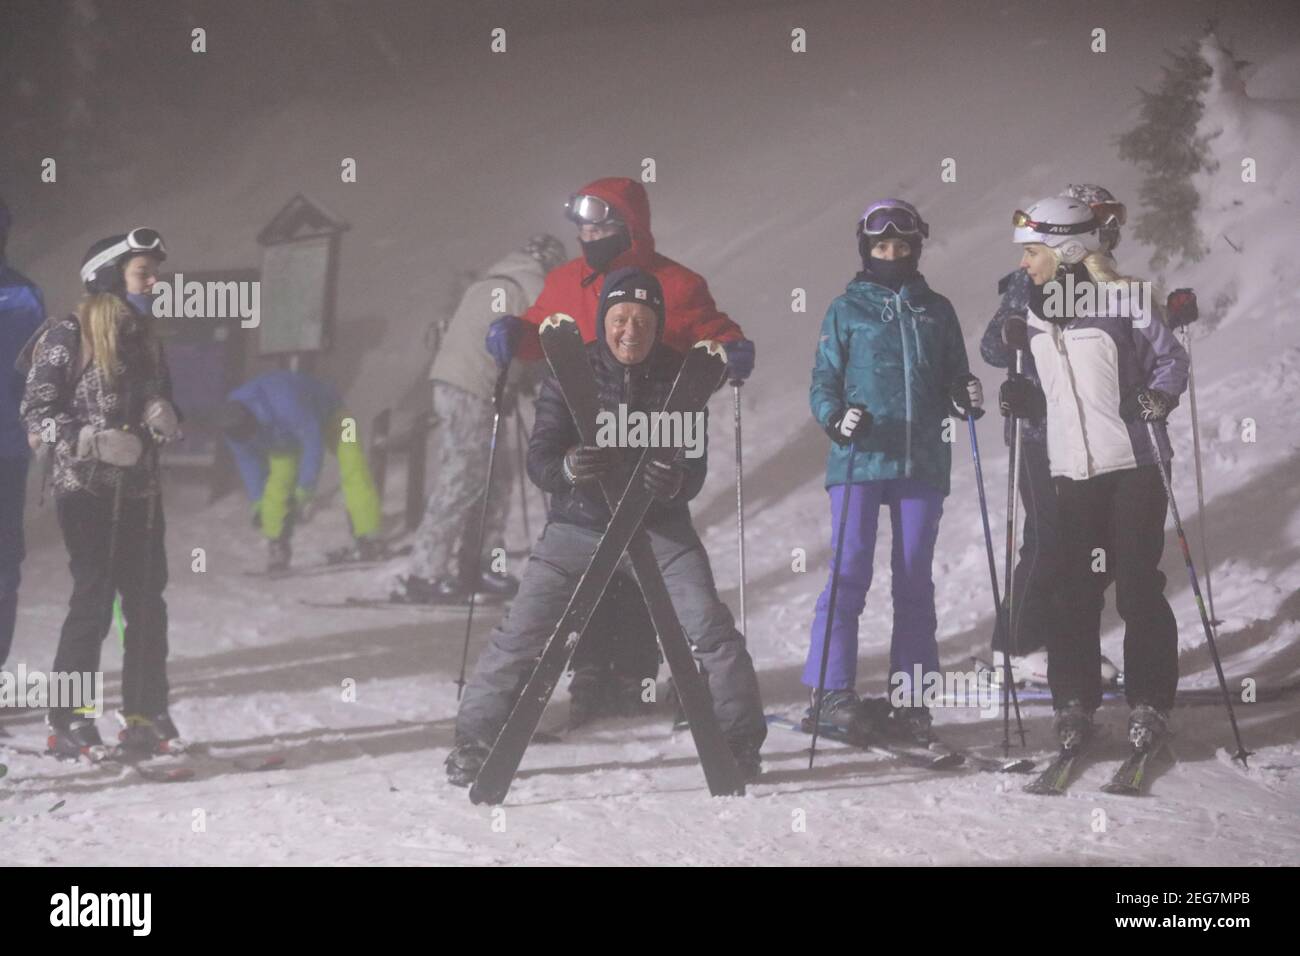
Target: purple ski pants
<point>914,511</point>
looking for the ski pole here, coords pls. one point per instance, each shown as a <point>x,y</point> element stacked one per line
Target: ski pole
<point>1242,753</point>
<point>1013,517</point>
<point>497,394</point>
<point>1200,487</point>
<point>999,609</point>
<point>1012,631</point>
<point>522,469</point>
<point>740,505</point>
<point>830,607</point>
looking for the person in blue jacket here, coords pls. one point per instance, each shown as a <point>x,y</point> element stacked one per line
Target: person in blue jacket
<point>890,369</point>
<point>279,426</point>
<point>22,310</point>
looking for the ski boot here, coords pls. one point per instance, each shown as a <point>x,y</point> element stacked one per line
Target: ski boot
<point>279,552</point>
<point>912,724</point>
<point>73,736</point>
<point>1073,726</point>
<point>464,762</point>
<point>840,709</point>
<point>163,739</point>
<point>143,736</point>
<point>1146,727</point>
<point>416,590</point>
<point>1025,668</point>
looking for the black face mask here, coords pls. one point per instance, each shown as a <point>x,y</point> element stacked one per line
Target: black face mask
<point>889,272</point>
<point>599,253</point>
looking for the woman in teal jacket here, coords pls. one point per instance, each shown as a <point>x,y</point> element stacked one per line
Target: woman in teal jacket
<point>890,370</point>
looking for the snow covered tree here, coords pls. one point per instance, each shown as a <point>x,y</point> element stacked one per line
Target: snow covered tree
<point>1165,146</point>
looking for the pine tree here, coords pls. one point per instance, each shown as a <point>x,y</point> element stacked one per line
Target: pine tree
<point>1165,146</point>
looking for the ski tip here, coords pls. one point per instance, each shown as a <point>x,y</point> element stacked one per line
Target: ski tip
<point>557,319</point>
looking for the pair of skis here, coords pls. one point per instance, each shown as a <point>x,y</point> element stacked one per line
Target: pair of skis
<point>1130,778</point>
<point>934,755</point>
<point>700,375</point>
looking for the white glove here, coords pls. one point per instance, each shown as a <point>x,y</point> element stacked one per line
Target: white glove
<point>161,420</point>
<point>849,423</point>
<point>112,446</point>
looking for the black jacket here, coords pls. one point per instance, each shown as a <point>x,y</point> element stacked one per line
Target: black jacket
<point>643,387</point>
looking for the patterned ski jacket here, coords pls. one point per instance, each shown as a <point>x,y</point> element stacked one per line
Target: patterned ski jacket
<point>897,353</point>
<point>65,386</point>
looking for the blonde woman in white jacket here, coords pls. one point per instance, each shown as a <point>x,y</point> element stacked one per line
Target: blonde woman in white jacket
<point>1108,367</point>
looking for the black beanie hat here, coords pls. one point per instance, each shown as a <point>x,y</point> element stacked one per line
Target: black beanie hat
<point>631,285</point>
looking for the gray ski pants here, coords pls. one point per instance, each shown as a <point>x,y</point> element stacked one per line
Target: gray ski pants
<point>549,580</point>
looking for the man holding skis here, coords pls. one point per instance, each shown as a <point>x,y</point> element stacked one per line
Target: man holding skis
<point>613,220</point>
<point>632,367</point>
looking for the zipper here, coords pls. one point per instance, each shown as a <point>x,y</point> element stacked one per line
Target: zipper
<point>907,388</point>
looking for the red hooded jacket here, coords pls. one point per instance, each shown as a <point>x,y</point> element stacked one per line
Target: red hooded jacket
<point>690,313</point>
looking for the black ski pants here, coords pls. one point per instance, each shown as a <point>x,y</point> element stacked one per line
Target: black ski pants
<point>1119,515</point>
<point>137,569</point>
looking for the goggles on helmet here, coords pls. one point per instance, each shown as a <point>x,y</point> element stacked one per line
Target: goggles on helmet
<point>139,240</point>
<point>882,217</point>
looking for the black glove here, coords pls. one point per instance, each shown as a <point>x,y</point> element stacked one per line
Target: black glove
<point>849,424</point>
<point>664,479</point>
<point>967,396</point>
<point>1015,332</point>
<point>1020,398</point>
<point>584,463</point>
<point>1146,405</point>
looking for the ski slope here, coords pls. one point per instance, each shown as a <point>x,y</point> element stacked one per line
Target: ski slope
<point>763,162</point>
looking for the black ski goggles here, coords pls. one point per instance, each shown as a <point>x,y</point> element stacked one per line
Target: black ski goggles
<point>884,219</point>
<point>588,210</point>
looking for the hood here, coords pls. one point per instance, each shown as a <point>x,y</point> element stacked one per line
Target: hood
<point>629,199</point>
<point>612,278</point>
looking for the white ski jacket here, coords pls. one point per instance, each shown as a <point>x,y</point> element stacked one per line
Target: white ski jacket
<point>1087,367</point>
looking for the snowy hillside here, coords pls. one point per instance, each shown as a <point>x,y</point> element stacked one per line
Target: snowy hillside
<point>764,161</point>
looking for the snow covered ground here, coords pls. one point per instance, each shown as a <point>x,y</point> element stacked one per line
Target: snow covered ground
<point>760,178</point>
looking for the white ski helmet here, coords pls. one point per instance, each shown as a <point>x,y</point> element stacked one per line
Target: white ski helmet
<point>1063,224</point>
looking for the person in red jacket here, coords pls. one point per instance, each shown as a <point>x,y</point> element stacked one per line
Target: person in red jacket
<point>613,219</point>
